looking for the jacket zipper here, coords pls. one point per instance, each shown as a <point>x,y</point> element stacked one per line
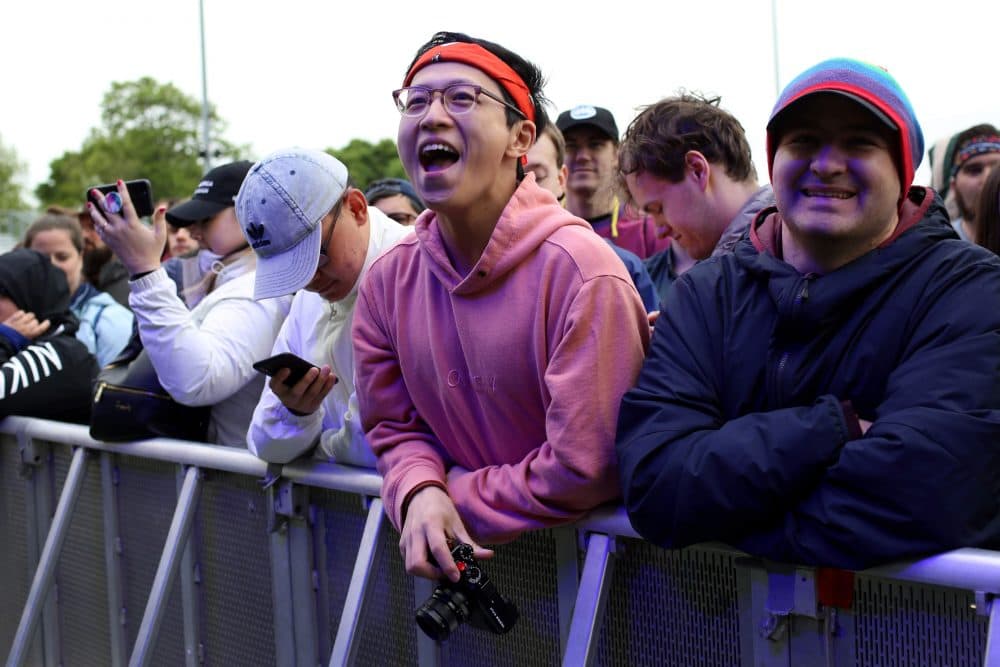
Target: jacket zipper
<point>800,298</point>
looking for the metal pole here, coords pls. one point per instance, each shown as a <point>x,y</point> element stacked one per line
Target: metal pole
<point>205,120</point>
<point>364,565</point>
<point>190,608</point>
<point>992,653</point>
<point>45,573</point>
<point>774,47</point>
<point>567,578</point>
<point>581,649</point>
<point>166,572</point>
<point>112,562</point>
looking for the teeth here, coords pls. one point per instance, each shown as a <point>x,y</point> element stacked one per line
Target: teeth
<point>437,147</point>
<point>832,195</point>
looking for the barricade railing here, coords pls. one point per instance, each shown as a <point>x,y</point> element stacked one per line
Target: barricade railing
<point>171,552</point>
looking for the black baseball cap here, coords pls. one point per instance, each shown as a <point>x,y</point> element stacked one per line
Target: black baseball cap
<point>585,114</point>
<point>216,192</point>
<point>387,187</point>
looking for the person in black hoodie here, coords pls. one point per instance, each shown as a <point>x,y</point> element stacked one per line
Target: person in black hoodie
<point>45,372</point>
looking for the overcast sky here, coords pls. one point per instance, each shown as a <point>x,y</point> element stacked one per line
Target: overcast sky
<point>319,73</point>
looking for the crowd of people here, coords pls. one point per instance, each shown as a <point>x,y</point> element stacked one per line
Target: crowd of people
<point>549,316</point>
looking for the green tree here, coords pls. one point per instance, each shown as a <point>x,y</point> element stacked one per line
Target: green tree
<point>367,162</point>
<point>11,196</point>
<point>148,130</point>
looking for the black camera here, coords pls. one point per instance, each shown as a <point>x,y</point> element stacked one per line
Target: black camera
<point>472,598</point>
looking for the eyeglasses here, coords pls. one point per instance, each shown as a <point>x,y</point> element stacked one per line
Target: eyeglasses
<point>458,99</point>
<point>324,259</point>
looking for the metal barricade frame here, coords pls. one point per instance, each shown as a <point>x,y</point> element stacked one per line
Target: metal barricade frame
<point>774,609</point>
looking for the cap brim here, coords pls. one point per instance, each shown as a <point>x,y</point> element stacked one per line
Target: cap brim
<point>572,124</point>
<point>871,108</point>
<point>194,210</point>
<point>289,271</point>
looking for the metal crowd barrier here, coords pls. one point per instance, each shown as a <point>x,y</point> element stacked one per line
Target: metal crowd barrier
<point>164,552</point>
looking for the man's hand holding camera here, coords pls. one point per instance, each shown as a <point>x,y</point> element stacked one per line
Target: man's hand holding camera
<point>431,521</point>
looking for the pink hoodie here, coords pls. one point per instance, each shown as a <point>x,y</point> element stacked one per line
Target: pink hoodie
<point>503,385</point>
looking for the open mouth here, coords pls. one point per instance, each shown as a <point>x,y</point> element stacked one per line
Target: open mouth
<point>437,156</point>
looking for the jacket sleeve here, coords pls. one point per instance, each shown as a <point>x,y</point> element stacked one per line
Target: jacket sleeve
<point>276,435</point>
<point>49,378</point>
<point>688,475</point>
<point>407,452</point>
<point>793,484</point>
<point>926,476</point>
<point>346,443</point>
<point>207,363</point>
<point>575,469</point>
<point>112,331</point>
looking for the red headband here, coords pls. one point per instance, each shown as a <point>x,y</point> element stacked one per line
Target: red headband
<point>478,57</point>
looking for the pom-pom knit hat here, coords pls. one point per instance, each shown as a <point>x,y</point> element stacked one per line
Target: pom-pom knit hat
<point>870,86</point>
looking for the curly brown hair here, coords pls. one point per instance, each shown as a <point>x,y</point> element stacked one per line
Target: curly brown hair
<point>657,140</point>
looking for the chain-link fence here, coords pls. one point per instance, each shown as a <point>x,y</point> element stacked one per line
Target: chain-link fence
<point>12,226</point>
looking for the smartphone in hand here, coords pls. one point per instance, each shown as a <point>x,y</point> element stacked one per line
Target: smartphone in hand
<point>140,191</point>
<point>297,365</point>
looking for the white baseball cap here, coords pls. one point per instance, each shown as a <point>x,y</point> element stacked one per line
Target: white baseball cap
<point>283,199</point>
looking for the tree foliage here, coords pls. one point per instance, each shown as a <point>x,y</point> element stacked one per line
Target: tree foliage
<point>148,130</point>
<point>11,196</point>
<point>367,162</point>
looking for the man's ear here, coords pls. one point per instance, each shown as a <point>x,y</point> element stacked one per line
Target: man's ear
<point>561,177</point>
<point>522,138</point>
<point>357,205</point>
<point>697,168</point>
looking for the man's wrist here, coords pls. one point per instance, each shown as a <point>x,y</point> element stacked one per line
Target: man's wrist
<point>426,484</point>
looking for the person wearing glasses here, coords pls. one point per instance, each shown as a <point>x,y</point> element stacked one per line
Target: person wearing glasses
<point>396,198</point>
<point>315,236</point>
<point>492,348</point>
<point>202,356</point>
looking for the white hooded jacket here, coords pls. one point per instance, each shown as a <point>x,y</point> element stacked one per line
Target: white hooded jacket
<point>319,331</point>
<point>205,356</point>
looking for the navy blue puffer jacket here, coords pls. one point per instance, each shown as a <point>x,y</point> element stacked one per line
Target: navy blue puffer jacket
<point>743,426</point>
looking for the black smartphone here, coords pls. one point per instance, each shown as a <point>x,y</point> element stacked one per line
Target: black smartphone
<point>272,365</point>
<point>139,190</point>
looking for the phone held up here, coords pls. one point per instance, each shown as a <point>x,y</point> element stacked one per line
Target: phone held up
<point>297,365</point>
<point>140,191</point>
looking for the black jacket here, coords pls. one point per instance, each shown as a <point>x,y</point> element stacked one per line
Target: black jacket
<point>743,426</point>
<point>51,376</point>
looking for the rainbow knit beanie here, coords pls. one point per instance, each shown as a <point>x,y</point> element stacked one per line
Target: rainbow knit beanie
<point>870,86</point>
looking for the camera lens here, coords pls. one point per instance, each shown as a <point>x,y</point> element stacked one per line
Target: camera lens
<point>444,611</point>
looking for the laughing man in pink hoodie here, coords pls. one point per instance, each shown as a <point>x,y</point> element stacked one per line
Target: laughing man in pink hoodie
<point>493,348</point>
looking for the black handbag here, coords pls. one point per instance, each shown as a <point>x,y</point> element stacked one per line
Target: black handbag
<point>131,404</point>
